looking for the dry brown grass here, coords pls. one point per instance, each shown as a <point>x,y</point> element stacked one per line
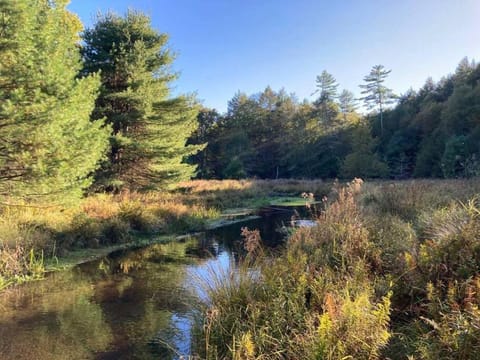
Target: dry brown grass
<point>287,186</point>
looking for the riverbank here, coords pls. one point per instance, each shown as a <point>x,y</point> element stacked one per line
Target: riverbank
<point>38,239</point>
<point>392,270</point>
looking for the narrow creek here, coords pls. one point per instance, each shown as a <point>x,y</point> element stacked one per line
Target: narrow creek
<point>133,304</point>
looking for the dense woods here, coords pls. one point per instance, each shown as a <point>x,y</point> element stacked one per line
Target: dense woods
<point>429,132</point>
<point>98,115</point>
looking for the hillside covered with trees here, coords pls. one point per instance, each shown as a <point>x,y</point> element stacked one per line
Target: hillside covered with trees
<point>430,132</point>
<point>93,111</point>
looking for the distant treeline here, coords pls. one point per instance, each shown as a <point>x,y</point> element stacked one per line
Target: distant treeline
<point>432,132</point>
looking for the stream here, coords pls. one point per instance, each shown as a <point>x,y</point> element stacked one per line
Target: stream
<point>132,304</point>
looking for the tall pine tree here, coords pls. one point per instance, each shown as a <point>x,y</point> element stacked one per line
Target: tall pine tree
<point>327,90</point>
<point>150,129</point>
<point>347,103</point>
<point>49,146</point>
<point>377,95</point>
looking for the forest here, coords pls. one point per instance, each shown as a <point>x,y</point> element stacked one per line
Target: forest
<point>99,154</point>
<point>432,132</point>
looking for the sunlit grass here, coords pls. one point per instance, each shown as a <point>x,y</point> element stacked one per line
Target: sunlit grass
<point>103,220</point>
<point>391,271</point>
<point>391,265</point>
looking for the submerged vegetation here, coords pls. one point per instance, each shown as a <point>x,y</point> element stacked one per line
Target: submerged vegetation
<point>391,270</point>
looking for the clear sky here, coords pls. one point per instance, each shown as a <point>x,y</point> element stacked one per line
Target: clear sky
<point>224,46</point>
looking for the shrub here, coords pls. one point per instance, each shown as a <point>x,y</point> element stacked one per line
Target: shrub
<point>451,249</point>
<point>353,327</point>
<point>452,328</point>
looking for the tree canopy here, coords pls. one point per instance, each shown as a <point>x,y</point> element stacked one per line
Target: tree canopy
<point>99,109</point>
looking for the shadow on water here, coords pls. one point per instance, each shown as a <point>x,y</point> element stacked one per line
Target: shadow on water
<point>133,304</point>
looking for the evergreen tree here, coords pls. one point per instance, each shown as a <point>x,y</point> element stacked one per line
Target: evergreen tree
<point>327,90</point>
<point>464,70</point>
<point>275,112</point>
<point>347,103</point>
<point>428,162</point>
<point>453,160</point>
<point>462,112</point>
<point>376,94</point>
<point>49,146</point>
<point>236,150</point>
<point>206,133</point>
<point>150,129</point>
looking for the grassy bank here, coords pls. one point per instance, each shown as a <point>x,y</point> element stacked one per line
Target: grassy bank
<point>33,237</point>
<point>392,271</point>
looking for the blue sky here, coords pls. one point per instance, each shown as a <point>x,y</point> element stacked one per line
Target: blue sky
<point>224,46</point>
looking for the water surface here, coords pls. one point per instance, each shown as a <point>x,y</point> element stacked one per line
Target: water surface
<point>133,304</point>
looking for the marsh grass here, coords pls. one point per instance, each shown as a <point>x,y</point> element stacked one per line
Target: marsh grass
<point>223,194</point>
<point>99,221</point>
<point>314,301</point>
<point>391,271</point>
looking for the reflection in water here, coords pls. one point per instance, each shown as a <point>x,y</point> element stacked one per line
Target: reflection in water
<point>131,305</point>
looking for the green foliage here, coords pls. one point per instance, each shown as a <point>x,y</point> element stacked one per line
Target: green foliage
<point>394,276</point>
<point>270,134</point>
<point>428,132</point>
<point>454,157</point>
<point>461,112</point>
<point>452,329</point>
<point>234,169</point>
<point>150,128</point>
<point>247,141</point>
<point>353,326</point>
<point>327,90</point>
<point>428,162</point>
<point>347,103</point>
<point>363,162</point>
<point>208,123</point>
<point>451,249</point>
<point>50,147</point>
<point>313,301</point>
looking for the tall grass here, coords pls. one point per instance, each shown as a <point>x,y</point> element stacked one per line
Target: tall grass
<point>315,301</point>
<point>390,271</point>
<point>223,194</point>
<point>99,220</point>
